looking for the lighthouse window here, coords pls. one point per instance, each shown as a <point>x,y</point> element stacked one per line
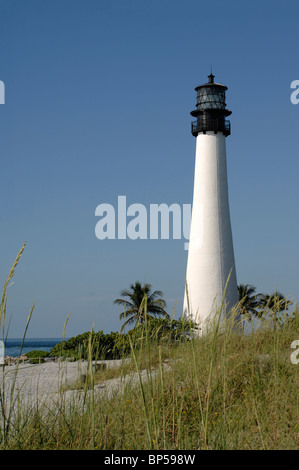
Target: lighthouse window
<point>211,97</point>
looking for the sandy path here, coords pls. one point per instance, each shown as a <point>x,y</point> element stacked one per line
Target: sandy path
<point>42,382</point>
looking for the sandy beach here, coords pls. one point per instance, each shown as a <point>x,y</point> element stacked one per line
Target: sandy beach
<point>42,383</point>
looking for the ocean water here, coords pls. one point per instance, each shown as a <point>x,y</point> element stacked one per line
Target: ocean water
<point>13,345</point>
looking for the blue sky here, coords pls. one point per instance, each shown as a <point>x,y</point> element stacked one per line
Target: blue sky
<point>98,96</point>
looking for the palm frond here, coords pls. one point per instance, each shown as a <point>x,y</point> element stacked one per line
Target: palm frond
<point>128,313</point>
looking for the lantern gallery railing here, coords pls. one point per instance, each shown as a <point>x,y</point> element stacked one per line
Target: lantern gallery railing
<point>216,125</point>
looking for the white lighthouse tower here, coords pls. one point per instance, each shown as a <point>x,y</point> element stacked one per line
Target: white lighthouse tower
<point>211,260</point>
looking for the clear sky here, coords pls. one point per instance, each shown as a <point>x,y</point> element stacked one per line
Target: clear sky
<point>98,96</point>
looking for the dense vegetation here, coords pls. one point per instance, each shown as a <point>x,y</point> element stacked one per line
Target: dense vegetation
<point>118,345</point>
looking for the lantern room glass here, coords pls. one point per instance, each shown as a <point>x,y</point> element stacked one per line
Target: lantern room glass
<point>211,98</point>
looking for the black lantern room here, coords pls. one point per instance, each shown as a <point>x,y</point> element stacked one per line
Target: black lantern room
<point>210,109</point>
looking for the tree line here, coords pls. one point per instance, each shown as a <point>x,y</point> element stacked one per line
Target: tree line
<point>145,310</point>
<point>139,301</point>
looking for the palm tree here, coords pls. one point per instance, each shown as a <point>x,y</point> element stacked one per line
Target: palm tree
<point>141,302</point>
<point>249,301</point>
<point>276,302</point>
<point>256,304</point>
<point>276,305</point>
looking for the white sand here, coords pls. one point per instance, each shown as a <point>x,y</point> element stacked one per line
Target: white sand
<point>42,383</point>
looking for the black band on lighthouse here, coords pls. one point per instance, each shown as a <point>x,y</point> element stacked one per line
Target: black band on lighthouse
<point>210,109</point>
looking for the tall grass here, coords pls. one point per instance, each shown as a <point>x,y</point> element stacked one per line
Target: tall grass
<point>221,390</point>
<point>8,403</point>
<point>225,392</point>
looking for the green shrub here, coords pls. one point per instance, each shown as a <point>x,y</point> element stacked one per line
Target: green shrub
<point>35,354</point>
<point>118,345</point>
<point>36,360</point>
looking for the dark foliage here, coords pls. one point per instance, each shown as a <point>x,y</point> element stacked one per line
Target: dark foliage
<point>118,345</point>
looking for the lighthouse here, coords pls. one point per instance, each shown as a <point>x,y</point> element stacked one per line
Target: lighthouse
<point>211,275</point>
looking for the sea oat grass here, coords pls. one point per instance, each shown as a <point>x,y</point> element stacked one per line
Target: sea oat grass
<point>247,400</point>
<point>221,390</point>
